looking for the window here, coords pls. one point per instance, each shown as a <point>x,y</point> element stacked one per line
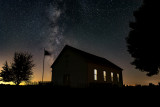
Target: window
<point>95,74</point>
<point>112,76</point>
<point>104,75</point>
<point>118,77</point>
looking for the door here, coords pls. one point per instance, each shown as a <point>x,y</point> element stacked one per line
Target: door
<point>66,80</point>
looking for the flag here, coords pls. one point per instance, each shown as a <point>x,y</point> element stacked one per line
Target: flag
<point>46,53</point>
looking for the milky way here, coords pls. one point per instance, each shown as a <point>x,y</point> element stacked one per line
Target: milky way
<point>96,26</point>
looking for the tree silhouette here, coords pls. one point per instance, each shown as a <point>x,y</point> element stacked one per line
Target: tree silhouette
<point>20,70</point>
<point>143,40</point>
<point>6,74</point>
<point>22,67</point>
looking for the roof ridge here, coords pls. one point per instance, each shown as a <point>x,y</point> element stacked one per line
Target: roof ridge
<point>87,53</point>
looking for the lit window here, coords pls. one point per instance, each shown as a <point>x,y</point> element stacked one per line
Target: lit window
<point>104,75</point>
<point>118,77</point>
<point>95,74</point>
<point>112,76</point>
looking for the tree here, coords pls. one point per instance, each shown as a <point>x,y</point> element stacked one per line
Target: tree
<point>22,67</point>
<point>6,73</point>
<point>143,40</point>
<point>20,70</point>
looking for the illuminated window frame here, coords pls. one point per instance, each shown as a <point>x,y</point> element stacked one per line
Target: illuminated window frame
<point>112,76</point>
<point>104,76</point>
<point>117,77</point>
<point>95,74</point>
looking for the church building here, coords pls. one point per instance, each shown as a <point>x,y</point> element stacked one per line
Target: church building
<point>78,69</point>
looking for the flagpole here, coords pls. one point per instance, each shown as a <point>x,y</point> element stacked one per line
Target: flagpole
<point>43,64</point>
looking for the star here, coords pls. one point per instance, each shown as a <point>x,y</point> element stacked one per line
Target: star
<point>98,26</point>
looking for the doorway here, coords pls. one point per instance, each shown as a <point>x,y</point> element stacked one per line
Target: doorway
<point>66,80</point>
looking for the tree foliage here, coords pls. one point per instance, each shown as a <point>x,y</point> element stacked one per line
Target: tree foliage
<point>6,73</point>
<point>20,70</point>
<point>143,40</point>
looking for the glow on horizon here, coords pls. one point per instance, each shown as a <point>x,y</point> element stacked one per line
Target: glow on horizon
<point>37,70</point>
<point>127,80</point>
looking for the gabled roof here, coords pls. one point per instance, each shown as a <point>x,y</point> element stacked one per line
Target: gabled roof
<point>89,57</point>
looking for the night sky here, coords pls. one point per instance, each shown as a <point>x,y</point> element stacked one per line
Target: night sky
<point>95,26</point>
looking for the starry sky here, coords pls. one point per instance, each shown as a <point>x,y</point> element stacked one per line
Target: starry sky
<point>95,26</point>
